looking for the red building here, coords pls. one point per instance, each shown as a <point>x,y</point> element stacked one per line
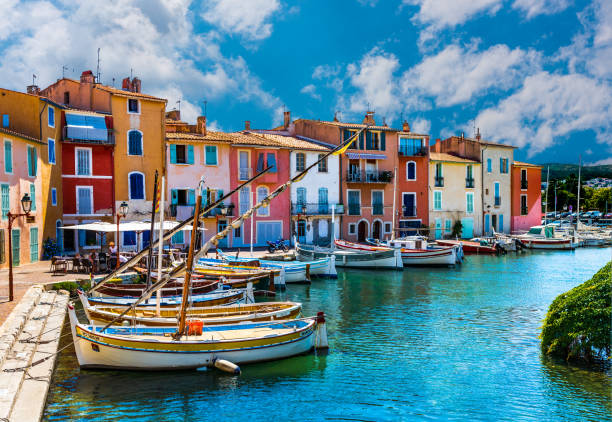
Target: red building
<point>526,196</point>
<point>412,181</point>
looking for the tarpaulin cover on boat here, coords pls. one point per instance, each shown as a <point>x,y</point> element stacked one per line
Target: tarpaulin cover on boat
<point>365,156</point>
<point>86,127</point>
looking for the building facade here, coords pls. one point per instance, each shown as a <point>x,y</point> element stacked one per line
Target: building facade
<point>526,196</point>
<point>455,186</point>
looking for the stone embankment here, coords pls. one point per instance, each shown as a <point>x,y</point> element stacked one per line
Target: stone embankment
<point>31,333</point>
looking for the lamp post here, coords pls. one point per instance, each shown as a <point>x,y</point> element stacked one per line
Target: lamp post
<point>26,205</point>
<point>121,213</point>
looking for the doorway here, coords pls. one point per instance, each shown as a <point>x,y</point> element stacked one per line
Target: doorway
<point>377,230</point>
<point>362,231</point>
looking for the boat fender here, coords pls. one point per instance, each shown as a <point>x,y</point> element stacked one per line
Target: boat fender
<point>321,338</point>
<point>249,293</point>
<point>226,366</point>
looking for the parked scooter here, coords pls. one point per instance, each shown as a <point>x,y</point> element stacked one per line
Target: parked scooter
<point>279,245</point>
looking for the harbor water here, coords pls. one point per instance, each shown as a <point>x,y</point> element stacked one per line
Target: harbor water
<point>426,343</point>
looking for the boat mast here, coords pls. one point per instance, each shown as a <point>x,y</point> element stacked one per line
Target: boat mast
<point>394,200</point>
<point>546,206</point>
<point>189,266</point>
<point>578,204</point>
<point>152,230</point>
<point>160,245</point>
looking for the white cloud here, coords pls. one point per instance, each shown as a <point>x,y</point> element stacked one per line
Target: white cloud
<point>605,161</point>
<point>549,106</point>
<point>533,8</point>
<point>311,90</point>
<point>420,125</point>
<point>154,38</point>
<point>456,75</point>
<point>246,18</point>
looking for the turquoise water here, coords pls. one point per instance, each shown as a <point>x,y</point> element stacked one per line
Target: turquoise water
<point>419,344</point>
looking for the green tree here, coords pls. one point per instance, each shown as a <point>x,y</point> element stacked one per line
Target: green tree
<point>578,323</point>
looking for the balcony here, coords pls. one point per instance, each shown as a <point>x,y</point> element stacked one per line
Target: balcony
<point>409,211</point>
<point>439,181</point>
<point>181,212</point>
<point>88,136</point>
<point>497,201</point>
<point>316,209</point>
<point>354,209</point>
<point>221,211</point>
<point>378,209</point>
<point>358,176</point>
<point>412,151</point>
<point>524,211</point>
<point>523,184</point>
<point>245,173</point>
<point>469,182</point>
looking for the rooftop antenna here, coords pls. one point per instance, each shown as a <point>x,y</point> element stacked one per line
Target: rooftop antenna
<point>98,67</point>
<point>33,79</point>
<point>474,126</point>
<point>205,105</point>
<point>113,82</point>
<point>131,72</point>
<point>64,69</point>
<point>179,105</point>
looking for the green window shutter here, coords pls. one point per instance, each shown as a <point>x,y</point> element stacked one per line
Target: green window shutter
<point>211,155</point>
<point>33,244</point>
<point>383,141</point>
<point>204,199</point>
<point>33,195</point>
<point>501,165</point>
<point>34,162</point>
<point>173,197</point>
<point>172,154</point>
<point>361,140</point>
<point>29,161</point>
<point>8,157</point>
<point>190,159</point>
<point>368,140</point>
<point>191,197</point>
<point>6,202</point>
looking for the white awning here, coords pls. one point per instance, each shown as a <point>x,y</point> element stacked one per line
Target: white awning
<point>128,226</point>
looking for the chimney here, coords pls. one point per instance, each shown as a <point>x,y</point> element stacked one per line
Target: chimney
<point>437,145</point>
<point>405,126</point>
<point>369,118</point>
<point>136,85</point>
<point>336,117</point>
<point>287,119</point>
<point>174,115</point>
<point>202,125</point>
<point>126,84</point>
<point>33,89</point>
<point>87,77</point>
<point>478,134</point>
<point>247,125</point>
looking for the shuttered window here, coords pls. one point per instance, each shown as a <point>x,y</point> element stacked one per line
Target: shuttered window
<point>322,168</point>
<point>301,196</point>
<point>6,200</point>
<point>33,244</point>
<point>300,162</point>
<point>51,149</point>
<point>134,142</point>
<point>271,162</point>
<point>53,196</point>
<point>8,156</point>
<point>245,199</point>
<point>136,185</point>
<point>33,196</point>
<point>83,162</point>
<point>411,170</point>
<point>211,155</point>
<point>437,200</point>
<point>2,247</point>
<point>469,207</point>
<point>51,117</point>
<point>32,161</point>
<point>262,192</point>
<point>84,200</point>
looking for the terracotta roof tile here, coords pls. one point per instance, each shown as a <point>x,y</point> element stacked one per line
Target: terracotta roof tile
<point>209,137</point>
<point>124,93</point>
<point>521,164</point>
<point>351,125</point>
<point>21,135</point>
<point>442,156</point>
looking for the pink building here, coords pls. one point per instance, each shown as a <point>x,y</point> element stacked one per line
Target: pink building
<point>526,196</point>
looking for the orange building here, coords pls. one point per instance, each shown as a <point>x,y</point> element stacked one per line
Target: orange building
<point>526,196</point>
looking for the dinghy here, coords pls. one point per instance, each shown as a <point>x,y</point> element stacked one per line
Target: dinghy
<point>384,258</point>
<point>416,251</point>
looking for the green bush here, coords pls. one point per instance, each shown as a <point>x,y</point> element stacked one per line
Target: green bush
<point>578,323</point>
<point>72,286</point>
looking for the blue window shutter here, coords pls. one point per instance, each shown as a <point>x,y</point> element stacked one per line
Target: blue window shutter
<point>204,200</point>
<point>501,165</point>
<point>210,155</point>
<point>82,237</point>
<point>383,141</point>
<point>191,198</point>
<point>51,116</point>
<point>260,162</point>
<point>272,162</point>
<point>368,140</point>
<point>5,120</point>
<point>33,195</point>
<point>489,165</point>
<point>172,154</point>
<point>361,140</point>
<point>219,194</point>
<point>501,223</point>
<point>135,143</point>
<point>137,186</point>
<point>190,159</point>
<point>174,196</point>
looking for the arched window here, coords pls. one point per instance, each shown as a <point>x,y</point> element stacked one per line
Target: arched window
<point>410,170</point>
<point>59,238</point>
<point>134,142</point>
<point>136,185</point>
<point>262,192</point>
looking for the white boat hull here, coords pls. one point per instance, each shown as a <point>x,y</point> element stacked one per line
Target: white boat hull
<point>548,244</point>
<point>429,257</point>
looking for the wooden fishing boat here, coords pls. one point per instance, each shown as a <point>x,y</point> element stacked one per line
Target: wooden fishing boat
<point>469,246</point>
<point>388,258</point>
<point>259,275</point>
<point>171,289</point>
<point>218,297</point>
<point>153,348</point>
<point>210,315</point>
<point>417,251</point>
<point>544,237</point>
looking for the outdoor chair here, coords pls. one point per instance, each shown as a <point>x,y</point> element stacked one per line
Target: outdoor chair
<point>86,265</point>
<point>102,262</point>
<point>58,265</point>
<point>76,265</point>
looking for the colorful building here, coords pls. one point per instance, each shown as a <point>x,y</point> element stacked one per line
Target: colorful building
<point>366,173</point>
<point>526,196</point>
<point>412,182</point>
<point>455,186</point>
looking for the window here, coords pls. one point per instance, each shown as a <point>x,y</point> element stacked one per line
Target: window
<point>129,238</point>
<point>301,196</point>
<point>33,244</point>
<point>84,200</point>
<point>352,228</point>
<point>524,209</point>
<point>409,208</point>
<point>32,161</point>
<point>178,238</point>
<point>134,142</point>
<point>497,197</point>
<point>271,162</point>
<point>245,199</point>
<point>322,168</point>
<point>448,225</point>
<point>2,247</point>
<point>300,162</point>
<point>136,185</point>
<point>182,154</point>
<point>354,202</point>
<point>51,116</point>
<point>6,200</point>
<point>409,147</point>
<point>437,200</point>
<point>51,150</point>
<point>439,179</point>
<point>410,170</point>
<point>5,120</point>
<point>262,192</point>
<point>523,179</point>
<point>469,206</point>
<point>244,172</point>
<point>211,155</point>
<point>489,166</point>
<point>387,228</point>
<point>323,201</point>
<point>469,176</point>
<point>503,165</point>
<point>301,228</point>
<point>374,141</point>
<point>33,196</point>
<point>83,161</point>
<point>238,232</point>
<point>53,196</point>
<point>133,106</point>
<point>8,156</point>
<point>377,203</point>
<point>66,97</point>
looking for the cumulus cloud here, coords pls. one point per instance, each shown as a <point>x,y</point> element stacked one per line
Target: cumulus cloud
<point>154,38</point>
<point>549,106</point>
<point>533,8</point>
<point>311,90</point>
<point>420,125</point>
<point>249,19</point>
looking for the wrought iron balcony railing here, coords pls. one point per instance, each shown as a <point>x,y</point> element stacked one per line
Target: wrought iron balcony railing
<point>88,136</point>
<point>354,209</point>
<point>469,182</point>
<point>411,151</point>
<point>368,176</point>
<point>439,181</point>
<point>300,208</point>
<point>409,211</point>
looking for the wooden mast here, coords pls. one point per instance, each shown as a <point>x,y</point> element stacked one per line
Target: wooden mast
<point>189,264</point>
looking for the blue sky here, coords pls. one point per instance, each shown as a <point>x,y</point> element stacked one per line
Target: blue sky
<point>532,73</point>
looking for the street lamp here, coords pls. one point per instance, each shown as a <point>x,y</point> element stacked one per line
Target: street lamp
<point>121,213</point>
<point>26,205</point>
